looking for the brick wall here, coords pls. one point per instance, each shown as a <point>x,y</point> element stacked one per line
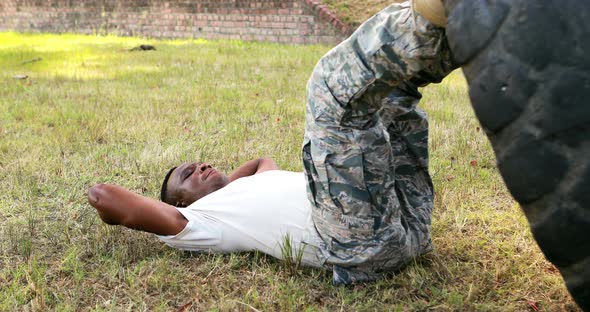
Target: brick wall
<point>299,22</point>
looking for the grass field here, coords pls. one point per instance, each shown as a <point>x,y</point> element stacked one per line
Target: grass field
<point>90,111</point>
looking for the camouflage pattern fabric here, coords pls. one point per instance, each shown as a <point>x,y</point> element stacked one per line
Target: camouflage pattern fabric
<point>365,150</point>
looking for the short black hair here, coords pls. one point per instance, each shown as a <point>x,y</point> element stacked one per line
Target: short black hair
<point>165,186</point>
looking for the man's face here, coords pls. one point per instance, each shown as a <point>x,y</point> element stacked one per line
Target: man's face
<point>191,181</point>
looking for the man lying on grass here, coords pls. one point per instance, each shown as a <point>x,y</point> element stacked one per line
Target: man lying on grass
<point>365,155</point>
<point>257,207</point>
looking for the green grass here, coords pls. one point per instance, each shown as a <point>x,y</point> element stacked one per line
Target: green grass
<point>93,112</point>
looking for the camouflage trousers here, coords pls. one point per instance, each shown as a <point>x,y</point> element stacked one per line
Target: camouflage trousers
<point>365,151</point>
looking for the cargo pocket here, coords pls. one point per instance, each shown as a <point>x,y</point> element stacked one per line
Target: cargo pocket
<point>346,76</point>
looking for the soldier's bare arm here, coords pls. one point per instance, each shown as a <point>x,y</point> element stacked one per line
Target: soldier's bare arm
<point>252,167</point>
<point>118,206</point>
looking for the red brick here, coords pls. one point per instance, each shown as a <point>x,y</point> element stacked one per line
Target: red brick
<point>287,21</point>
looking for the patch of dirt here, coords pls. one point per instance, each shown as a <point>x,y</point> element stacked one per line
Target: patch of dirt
<point>354,12</point>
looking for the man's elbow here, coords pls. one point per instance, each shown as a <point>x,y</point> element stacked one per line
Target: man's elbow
<point>97,195</point>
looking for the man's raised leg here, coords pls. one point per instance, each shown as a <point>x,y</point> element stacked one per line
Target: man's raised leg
<point>369,222</point>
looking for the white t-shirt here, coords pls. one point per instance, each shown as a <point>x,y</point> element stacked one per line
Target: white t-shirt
<point>253,213</point>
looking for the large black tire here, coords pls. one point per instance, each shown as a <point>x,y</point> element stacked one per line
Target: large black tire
<point>527,63</point>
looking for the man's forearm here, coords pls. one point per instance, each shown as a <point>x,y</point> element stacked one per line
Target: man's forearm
<point>245,170</point>
<point>252,167</point>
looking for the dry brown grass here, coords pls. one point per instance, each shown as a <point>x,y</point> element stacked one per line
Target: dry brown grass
<point>354,12</point>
